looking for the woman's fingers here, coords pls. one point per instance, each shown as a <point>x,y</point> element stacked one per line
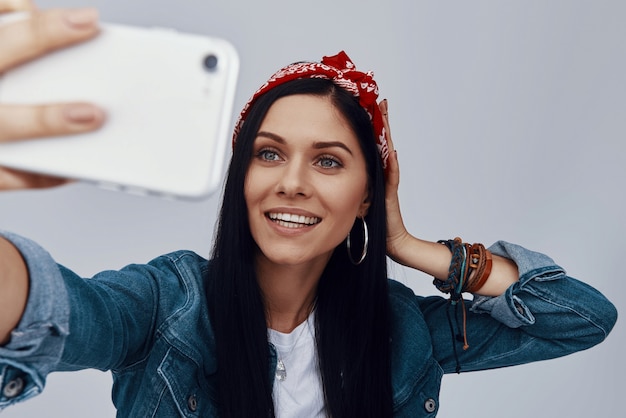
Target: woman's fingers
<point>384,109</point>
<point>16,6</point>
<point>16,180</point>
<point>29,37</point>
<point>24,37</point>
<point>393,171</point>
<point>42,32</point>
<point>22,122</point>
<point>396,231</point>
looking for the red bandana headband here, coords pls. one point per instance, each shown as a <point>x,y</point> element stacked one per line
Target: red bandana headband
<point>340,69</point>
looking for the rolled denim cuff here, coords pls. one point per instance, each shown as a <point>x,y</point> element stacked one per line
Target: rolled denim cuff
<point>37,342</point>
<point>508,308</point>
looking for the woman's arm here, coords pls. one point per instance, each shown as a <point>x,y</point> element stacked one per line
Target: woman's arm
<point>13,288</point>
<point>527,310</point>
<point>434,259</point>
<point>106,322</point>
<point>22,41</point>
<point>430,257</point>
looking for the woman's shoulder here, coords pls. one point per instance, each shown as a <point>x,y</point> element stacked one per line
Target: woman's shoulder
<point>180,258</point>
<point>406,306</point>
<point>187,266</point>
<point>182,304</point>
<point>399,293</point>
<point>176,280</point>
<point>411,310</point>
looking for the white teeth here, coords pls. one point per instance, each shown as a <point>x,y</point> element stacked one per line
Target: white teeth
<point>291,220</point>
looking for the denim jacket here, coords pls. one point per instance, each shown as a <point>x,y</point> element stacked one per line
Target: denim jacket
<point>149,324</point>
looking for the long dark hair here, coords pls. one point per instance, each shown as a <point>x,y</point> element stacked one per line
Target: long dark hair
<point>352,307</point>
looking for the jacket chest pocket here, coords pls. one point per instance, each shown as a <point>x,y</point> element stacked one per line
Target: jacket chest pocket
<point>183,394</point>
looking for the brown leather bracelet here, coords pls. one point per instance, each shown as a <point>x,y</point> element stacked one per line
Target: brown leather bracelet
<point>480,281</point>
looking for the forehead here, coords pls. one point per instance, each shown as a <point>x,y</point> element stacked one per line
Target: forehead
<point>308,116</point>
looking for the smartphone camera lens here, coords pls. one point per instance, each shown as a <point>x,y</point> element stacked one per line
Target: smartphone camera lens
<point>210,62</point>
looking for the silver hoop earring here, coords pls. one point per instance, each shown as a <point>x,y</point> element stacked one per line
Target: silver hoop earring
<point>365,242</point>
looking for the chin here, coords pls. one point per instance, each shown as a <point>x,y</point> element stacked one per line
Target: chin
<point>284,258</point>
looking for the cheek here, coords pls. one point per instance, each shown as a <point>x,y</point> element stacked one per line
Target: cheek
<point>251,186</point>
<point>349,201</point>
<point>247,190</point>
<point>359,191</point>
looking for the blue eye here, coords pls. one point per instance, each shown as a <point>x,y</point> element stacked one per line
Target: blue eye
<point>329,162</point>
<point>268,155</point>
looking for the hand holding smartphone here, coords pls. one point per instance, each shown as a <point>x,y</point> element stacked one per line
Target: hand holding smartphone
<point>168,98</point>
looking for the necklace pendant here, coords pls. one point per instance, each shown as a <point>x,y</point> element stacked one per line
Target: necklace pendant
<point>281,372</point>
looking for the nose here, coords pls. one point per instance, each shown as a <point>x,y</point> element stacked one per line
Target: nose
<point>295,179</point>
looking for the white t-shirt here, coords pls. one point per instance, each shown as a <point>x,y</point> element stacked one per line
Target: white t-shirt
<point>300,394</point>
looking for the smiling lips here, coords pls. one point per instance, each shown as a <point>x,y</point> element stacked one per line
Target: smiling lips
<point>290,220</point>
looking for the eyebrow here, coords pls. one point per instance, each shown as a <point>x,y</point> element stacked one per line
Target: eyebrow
<point>274,137</point>
<point>316,145</point>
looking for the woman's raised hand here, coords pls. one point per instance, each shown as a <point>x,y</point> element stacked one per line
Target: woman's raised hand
<point>26,39</point>
<point>397,235</point>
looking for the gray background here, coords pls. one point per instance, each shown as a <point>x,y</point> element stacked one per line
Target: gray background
<point>509,118</point>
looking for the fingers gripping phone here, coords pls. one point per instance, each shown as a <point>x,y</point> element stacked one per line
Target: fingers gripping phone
<point>168,98</point>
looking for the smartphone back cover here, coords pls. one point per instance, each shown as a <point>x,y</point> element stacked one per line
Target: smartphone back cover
<point>168,116</point>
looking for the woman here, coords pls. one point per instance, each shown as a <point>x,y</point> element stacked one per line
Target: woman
<point>294,315</point>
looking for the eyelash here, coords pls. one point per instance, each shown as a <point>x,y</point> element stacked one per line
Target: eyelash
<point>334,160</point>
<point>262,154</point>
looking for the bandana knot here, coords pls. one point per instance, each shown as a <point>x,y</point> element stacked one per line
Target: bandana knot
<point>360,84</point>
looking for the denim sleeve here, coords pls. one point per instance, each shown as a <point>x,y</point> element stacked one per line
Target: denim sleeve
<point>71,323</point>
<point>37,342</point>
<point>544,315</point>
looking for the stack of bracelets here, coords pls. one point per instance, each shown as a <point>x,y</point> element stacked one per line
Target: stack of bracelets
<point>469,270</point>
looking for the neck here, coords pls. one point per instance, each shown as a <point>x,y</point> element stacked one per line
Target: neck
<point>289,292</point>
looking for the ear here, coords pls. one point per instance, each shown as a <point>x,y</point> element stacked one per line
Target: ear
<point>365,204</point>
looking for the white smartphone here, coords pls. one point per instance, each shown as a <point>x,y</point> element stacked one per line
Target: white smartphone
<point>168,98</point>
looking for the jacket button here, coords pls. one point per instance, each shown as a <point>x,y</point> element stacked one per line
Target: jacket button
<point>192,403</point>
<point>13,388</point>
<point>430,405</point>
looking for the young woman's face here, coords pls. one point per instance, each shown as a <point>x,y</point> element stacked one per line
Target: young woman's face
<point>306,183</point>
